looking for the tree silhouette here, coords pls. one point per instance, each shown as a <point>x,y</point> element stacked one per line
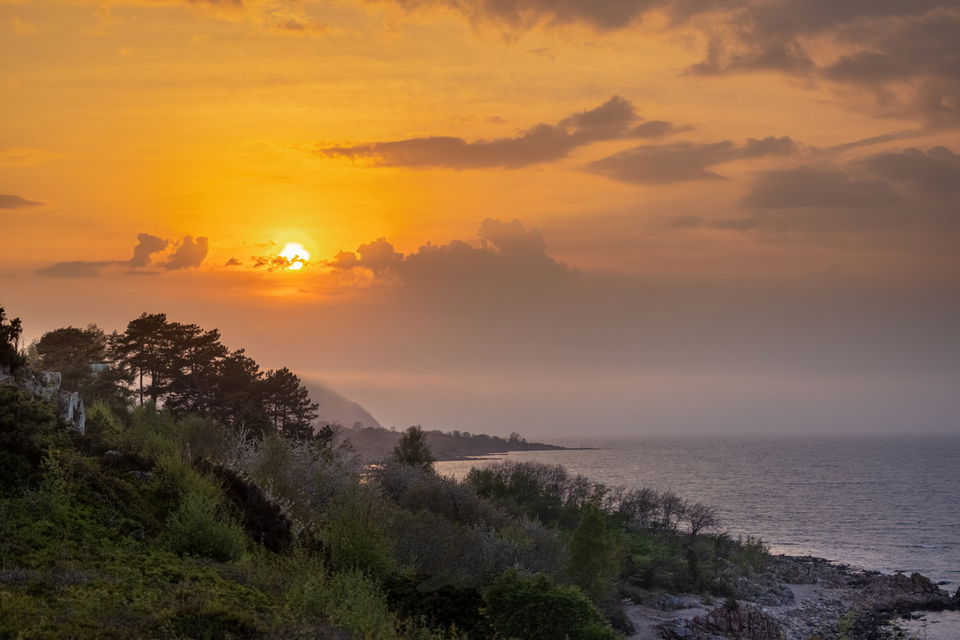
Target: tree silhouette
<point>287,404</point>
<point>141,349</point>
<point>412,449</point>
<point>10,357</point>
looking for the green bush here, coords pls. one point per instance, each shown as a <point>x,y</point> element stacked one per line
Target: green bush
<point>27,427</point>
<point>594,555</point>
<point>356,533</point>
<point>103,425</point>
<point>200,527</point>
<point>535,608</point>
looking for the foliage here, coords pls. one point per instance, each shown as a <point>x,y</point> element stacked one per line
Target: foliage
<point>27,427</point>
<point>356,533</point>
<point>103,424</point>
<point>201,527</point>
<point>287,404</point>
<point>594,555</point>
<point>83,360</point>
<point>535,608</point>
<point>412,449</point>
<point>10,357</point>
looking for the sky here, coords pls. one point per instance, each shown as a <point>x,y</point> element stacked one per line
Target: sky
<point>563,218</point>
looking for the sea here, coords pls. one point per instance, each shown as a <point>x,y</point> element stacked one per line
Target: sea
<point>886,503</point>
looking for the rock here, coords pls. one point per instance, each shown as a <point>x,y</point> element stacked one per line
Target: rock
<point>736,621</point>
<point>41,384</point>
<point>70,409</point>
<point>45,385</point>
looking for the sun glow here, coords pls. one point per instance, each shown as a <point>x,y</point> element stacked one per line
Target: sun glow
<point>295,255</point>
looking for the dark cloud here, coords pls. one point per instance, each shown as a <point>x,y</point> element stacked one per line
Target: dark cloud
<point>187,254</point>
<point>509,257</point>
<point>190,253</point>
<point>905,52</point>
<point>615,119</point>
<point>147,245</point>
<point>603,15</point>
<point>10,201</point>
<point>684,161</point>
<point>936,170</point>
<point>232,262</point>
<point>816,187</point>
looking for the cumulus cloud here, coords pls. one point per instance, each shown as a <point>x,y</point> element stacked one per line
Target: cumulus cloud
<point>10,201</point>
<point>507,257</point>
<point>684,161</point>
<point>615,119</point>
<point>190,253</point>
<point>147,245</point>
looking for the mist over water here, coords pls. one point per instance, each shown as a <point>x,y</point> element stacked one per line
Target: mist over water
<point>885,503</point>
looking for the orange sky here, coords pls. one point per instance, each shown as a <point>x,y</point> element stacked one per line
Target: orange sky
<point>674,165</point>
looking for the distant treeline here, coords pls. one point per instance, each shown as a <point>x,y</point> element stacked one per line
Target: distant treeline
<point>372,443</point>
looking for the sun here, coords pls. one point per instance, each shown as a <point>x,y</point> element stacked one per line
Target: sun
<point>295,255</point>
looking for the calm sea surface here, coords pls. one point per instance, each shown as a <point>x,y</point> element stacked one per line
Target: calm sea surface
<point>886,503</point>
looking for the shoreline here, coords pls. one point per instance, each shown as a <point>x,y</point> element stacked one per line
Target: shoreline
<point>797,598</point>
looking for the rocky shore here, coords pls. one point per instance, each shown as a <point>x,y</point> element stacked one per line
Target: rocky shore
<point>800,598</point>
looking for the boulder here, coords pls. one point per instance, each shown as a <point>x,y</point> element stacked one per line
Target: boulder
<point>70,409</point>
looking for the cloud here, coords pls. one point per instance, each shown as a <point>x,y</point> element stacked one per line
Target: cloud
<point>9,201</point>
<point>147,245</point>
<point>190,253</point>
<point>75,269</point>
<point>509,258</point>
<point>807,186</point>
<point>912,191</point>
<point>684,161</point>
<point>906,53</point>
<point>613,120</point>
<point>602,15</point>
<point>936,170</point>
<point>232,262</point>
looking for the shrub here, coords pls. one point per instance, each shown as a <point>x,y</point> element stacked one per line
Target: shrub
<point>27,426</point>
<point>103,424</point>
<point>535,608</point>
<point>594,555</point>
<point>200,527</point>
<point>351,599</point>
<point>356,533</point>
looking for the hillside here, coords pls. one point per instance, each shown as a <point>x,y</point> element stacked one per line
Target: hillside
<point>333,408</point>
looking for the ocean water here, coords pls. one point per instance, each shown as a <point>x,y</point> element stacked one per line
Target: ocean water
<point>883,503</point>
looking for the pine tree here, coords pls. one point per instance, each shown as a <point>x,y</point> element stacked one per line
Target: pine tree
<point>412,449</point>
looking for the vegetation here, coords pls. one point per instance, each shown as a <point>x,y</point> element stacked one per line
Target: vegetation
<point>192,510</point>
<point>412,450</point>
